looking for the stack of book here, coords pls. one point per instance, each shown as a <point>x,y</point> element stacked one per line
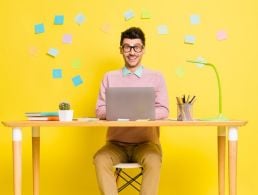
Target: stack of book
<point>42,116</point>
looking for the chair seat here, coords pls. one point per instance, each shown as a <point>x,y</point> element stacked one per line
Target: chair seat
<point>127,165</point>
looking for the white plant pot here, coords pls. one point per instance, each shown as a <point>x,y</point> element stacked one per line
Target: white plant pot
<point>65,115</point>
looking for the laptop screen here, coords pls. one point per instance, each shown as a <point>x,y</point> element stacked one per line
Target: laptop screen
<point>130,103</point>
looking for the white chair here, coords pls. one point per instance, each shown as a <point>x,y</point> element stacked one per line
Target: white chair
<point>129,180</point>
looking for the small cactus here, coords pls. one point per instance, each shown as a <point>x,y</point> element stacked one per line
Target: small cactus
<point>64,106</point>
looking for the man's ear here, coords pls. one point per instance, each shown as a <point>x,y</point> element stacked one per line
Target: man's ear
<point>120,48</point>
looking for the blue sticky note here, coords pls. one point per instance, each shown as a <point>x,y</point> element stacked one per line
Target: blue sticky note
<point>162,29</point>
<point>59,20</point>
<point>79,18</point>
<point>129,14</point>
<point>53,52</point>
<point>57,73</point>
<point>195,19</point>
<point>189,39</point>
<point>77,80</point>
<point>39,28</point>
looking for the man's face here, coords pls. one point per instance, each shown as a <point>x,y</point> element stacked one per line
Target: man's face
<point>132,51</point>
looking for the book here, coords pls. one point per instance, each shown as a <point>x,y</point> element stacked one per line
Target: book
<point>41,114</point>
<point>86,119</point>
<point>43,118</point>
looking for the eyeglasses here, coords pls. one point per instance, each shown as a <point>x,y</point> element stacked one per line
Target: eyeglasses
<point>127,48</point>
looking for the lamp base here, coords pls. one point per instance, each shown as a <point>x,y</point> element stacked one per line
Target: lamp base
<point>220,117</point>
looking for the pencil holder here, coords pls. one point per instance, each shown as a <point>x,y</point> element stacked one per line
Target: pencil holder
<point>184,112</point>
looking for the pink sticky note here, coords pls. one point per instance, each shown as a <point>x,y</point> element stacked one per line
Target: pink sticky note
<point>222,35</point>
<point>67,38</point>
<point>106,28</point>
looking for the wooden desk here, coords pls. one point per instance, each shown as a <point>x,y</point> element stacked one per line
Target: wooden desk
<point>232,127</point>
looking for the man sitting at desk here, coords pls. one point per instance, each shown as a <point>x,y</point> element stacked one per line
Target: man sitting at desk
<point>131,144</point>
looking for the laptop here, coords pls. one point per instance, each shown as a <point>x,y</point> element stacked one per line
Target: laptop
<point>130,103</point>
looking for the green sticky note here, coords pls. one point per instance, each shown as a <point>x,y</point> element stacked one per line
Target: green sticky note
<point>180,71</point>
<point>76,63</point>
<point>145,14</point>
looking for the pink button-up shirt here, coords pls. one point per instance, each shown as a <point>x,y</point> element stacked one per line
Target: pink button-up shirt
<point>148,79</point>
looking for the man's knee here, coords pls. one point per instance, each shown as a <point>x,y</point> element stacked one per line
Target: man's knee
<point>152,160</point>
<point>101,159</point>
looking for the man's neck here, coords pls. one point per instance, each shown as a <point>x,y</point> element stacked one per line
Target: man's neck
<point>132,69</point>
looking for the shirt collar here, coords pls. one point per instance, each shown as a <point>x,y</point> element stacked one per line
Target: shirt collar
<point>137,72</point>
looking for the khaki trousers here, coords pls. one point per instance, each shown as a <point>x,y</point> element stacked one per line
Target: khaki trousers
<point>148,154</point>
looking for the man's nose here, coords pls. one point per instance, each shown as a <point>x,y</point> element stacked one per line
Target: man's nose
<point>132,50</point>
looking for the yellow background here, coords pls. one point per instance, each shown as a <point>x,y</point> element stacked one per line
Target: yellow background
<point>189,163</point>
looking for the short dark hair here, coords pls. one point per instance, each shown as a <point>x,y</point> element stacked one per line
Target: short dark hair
<point>133,33</point>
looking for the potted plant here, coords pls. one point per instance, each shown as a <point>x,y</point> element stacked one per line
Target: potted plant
<point>65,113</point>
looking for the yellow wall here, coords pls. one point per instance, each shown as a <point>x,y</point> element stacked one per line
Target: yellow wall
<point>189,164</point>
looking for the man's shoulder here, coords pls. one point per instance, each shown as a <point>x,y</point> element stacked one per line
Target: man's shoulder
<point>113,73</point>
<point>152,72</point>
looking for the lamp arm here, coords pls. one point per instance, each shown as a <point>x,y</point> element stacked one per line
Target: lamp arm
<point>219,86</point>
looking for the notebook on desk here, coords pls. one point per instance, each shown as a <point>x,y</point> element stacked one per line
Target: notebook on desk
<point>130,103</point>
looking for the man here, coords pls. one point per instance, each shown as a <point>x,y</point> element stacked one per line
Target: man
<point>131,144</point>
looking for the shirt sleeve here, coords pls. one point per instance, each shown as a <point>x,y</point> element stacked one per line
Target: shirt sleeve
<point>101,101</point>
<point>161,101</point>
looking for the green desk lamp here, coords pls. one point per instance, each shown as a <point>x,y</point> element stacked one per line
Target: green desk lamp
<point>201,63</point>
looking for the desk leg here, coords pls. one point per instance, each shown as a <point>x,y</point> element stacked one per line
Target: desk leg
<point>36,158</point>
<point>221,159</point>
<point>232,159</point>
<point>17,160</point>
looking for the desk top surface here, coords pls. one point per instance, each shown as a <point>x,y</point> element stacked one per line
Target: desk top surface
<point>103,123</point>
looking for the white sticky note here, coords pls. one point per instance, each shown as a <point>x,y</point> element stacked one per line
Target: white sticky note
<point>189,39</point>
<point>53,52</point>
<point>195,19</point>
<point>221,35</point>
<point>129,14</point>
<point>162,29</point>
<point>200,59</point>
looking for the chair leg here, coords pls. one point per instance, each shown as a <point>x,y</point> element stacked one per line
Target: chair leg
<point>129,181</point>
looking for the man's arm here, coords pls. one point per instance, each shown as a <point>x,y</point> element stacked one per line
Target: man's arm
<point>101,101</point>
<point>161,101</point>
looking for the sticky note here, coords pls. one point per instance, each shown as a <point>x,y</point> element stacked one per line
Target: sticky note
<point>77,80</point>
<point>129,14</point>
<point>59,20</point>
<point>53,52</point>
<point>76,63</point>
<point>39,28</point>
<point>67,38</point>
<point>80,18</point>
<point>162,29</point>
<point>195,19</point>
<point>106,28</point>
<point>221,35</point>
<point>180,71</point>
<point>200,59</point>
<point>33,50</point>
<point>145,14</point>
<point>189,39</point>
<point>57,73</point>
